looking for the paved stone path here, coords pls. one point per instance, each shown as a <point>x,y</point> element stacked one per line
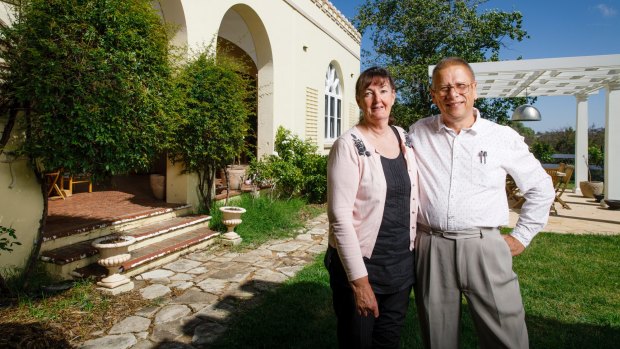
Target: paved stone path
<point>201,290</point>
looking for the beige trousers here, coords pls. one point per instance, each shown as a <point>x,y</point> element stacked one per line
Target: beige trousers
<point>477,264</point>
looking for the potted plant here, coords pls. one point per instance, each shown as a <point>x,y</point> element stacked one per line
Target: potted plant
<point>592,188</point>
<point>231,217</point>
<point>113,252</point>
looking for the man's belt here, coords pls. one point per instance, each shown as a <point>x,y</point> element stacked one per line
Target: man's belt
<point>471,233</point>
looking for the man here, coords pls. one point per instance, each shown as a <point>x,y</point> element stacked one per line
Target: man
<point>463,160</point>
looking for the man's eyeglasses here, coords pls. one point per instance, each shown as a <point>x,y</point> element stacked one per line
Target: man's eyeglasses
<point>460,88</point>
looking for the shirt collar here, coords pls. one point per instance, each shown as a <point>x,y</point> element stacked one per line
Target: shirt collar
<point>478,126</point>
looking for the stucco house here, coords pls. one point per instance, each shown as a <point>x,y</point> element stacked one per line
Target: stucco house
<point>304,54</point>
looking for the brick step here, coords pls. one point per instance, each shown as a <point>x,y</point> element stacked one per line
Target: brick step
<point>93,230</point>
<point>160,230</point>
<point>62,261</point>
<point>154,255</point>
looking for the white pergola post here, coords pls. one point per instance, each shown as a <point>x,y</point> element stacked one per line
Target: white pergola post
<point>612,141</point>
<point>581,141</point>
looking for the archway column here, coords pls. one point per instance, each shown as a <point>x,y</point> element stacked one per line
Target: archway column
<point>581,141</point>
<point>612,142</point>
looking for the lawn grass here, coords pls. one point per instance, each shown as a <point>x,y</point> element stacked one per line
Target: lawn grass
<point>266,218</point>
<point>569,285</point>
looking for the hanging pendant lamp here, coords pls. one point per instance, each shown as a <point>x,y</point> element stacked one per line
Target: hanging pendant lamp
<point>526,112</point>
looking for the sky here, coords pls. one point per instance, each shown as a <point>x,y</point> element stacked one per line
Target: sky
<point>557,28</point>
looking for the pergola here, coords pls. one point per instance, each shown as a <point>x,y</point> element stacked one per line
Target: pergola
<point>574,76</point>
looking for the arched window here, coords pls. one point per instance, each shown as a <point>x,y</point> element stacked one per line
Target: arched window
<point>333,104</point>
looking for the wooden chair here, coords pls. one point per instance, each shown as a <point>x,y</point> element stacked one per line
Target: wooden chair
<point>54,185</point>
<point>563,184</point>
<point>77,179</point>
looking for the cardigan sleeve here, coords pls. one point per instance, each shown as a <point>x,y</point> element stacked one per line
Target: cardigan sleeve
<point>343,179</point>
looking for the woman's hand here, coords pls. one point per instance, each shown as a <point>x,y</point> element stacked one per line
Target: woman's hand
<point>365,300</point>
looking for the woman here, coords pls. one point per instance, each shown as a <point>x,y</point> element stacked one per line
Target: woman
<point>372,207</point>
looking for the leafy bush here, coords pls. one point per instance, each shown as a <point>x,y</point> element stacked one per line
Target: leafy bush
<point>543,152</point>
<point>215,108</point>
<point>93,79</point>
<point>295,170</point>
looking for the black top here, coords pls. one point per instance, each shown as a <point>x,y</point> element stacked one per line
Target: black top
<point>391,265</point>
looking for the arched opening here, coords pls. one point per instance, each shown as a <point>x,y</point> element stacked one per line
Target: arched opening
<point>243,35</point>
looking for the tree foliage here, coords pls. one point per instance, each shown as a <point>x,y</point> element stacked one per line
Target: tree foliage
<point>410,35</point>
<point>92,77</point>
<point>215,107</point>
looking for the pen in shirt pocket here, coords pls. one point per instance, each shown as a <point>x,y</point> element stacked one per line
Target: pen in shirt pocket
<point>483,156</point>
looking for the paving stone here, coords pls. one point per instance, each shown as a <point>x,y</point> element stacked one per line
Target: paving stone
<point>267,275</point>
<point>181,285</point>
<point>215,286</point>
<point>207,333</point>
<point>171,313</point>
<point>235,272</point>
<point>194,295</point>
<point>155,274</point>
<point>181,277</point>
<point>201,256</point>
<point>145,344</point>
<point>196,307</point>
<point>182,265</point>
<point>317,231</point>
<point>241,291</point>
<point>290,271</point>
<point>222,259</point>
<point>271,263</point>
<point>154,291</point>
<point>304,237</point>
<point>142,335</point>
<point>220,312</point>
<point>121,341</point>
<point>147,312</point>
<point>316,249</point>
<point>131,324</point>
<point>169,331</point>
<point>248,258</point>
<point>198,270</point>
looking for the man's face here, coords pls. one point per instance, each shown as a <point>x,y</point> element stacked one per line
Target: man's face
<point>454,93</point>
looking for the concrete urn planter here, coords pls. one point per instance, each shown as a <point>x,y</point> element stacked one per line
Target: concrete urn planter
<point>591,188</point>
<point>113,252</point>
<point>231,217</point>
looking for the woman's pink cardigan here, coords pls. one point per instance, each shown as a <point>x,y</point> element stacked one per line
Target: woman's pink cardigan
<point>356,191</point>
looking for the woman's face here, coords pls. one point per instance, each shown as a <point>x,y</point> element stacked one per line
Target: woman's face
<point>376,101</point>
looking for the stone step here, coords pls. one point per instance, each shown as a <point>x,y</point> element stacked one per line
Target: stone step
<point>63,260</point>
<point>154,255</point>
<point>91,231</point>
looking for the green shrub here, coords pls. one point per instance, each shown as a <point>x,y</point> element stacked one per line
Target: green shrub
<point>215,107</point>
<point>543,152</point>
<point>295,170</point>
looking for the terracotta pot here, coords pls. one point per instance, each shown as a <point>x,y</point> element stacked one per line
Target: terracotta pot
<point>236,175</point>
<point>589,189</point>
<point>158,186</point>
